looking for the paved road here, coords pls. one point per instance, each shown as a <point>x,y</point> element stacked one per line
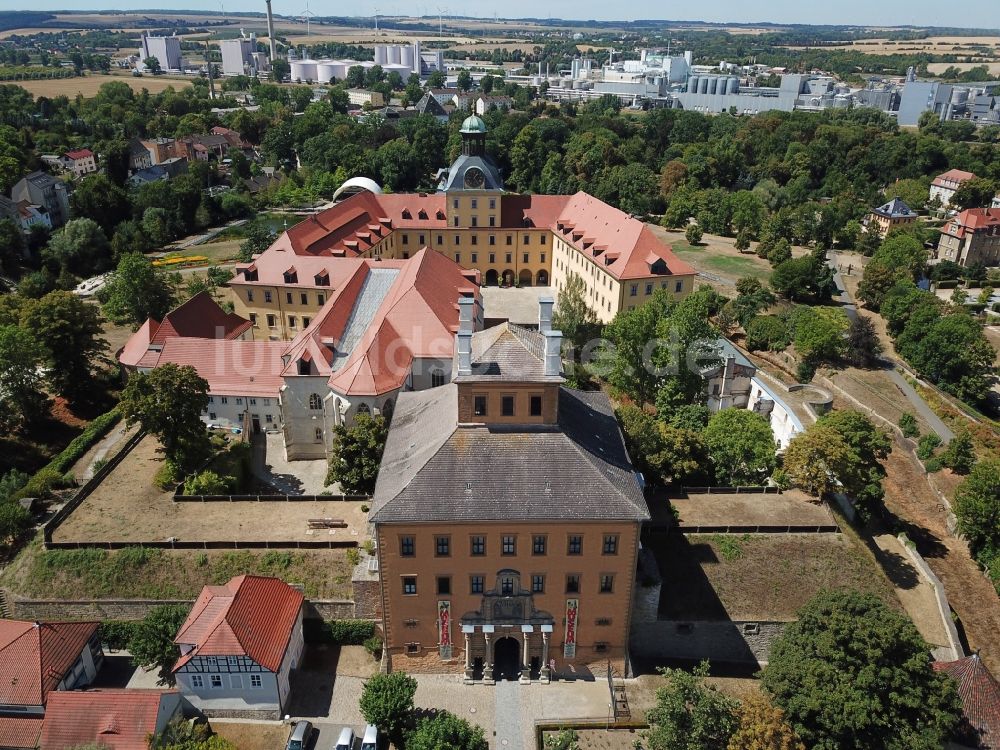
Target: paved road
<point>508,715</point>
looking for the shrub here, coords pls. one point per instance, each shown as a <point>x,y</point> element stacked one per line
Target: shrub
<point>208,483</point>
<point>351,632</point>
<point>83,442</point>
<point>368,545</point>
<point>364,507</point>
<point>933,465</point>
<point>908,424</point>
<point>42,484</point>
<point>14,521</point>
<point>373,646</point>
<point>805,371</point>
<point>353,555</point>
<point>927,445</point>
<point>768,332</point>
<point>168,475</point>
<point>693,234</point>
<point>960,454</point>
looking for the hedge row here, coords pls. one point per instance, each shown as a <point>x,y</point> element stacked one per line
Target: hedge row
<point>51,475</point>
<point>338,632</point>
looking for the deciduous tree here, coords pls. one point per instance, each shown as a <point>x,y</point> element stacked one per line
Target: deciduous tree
<point>816,459</point>
<point>135,292</point>
<point>977,506</point>
<point>445,731</point>
<point>853,673</point>
<point>689,714</point>
<point>762,726</point>
<point>387,702</point>
<point>356,454</point>
<point>741,446</point>
<point>81,248</point>
<point>22,398</point>
<point>152,642</point>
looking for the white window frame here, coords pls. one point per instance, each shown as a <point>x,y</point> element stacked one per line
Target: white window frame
<point>212,678</point>
<point>256,681</point>
<point>197,681</point>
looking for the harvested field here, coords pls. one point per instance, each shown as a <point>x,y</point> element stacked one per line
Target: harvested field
<point>89,85</point>
<point>129,507</point>
<point>760,577</point>
<point>136,573</point>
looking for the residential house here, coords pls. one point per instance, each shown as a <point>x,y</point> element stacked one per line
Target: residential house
<point>507,516</point>
<point>943,186</point>
<point>443,96</point>
<point>972,237</point>
<point>204,147</point>
<point>361,97</point>
<point>165,170</point>
<point>485,103</point>
<point>238,647</point>
<point>160,149</point>
<point>112,719</point>
<point>44,190</point>
<point>80,162</point>
<point>37,659</point>
<point>465,100</point>
<point>30,215</point>
<point>980,694</point>
<point>429,105</point>
<point>888,216</point>
<point>509,238</point>
<point>138,156</point>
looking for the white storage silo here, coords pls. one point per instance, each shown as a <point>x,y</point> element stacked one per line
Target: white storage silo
<point>734,85</point>
<point>406,57</point>
<point>326,70</point>
<point>713,85</point>
<point>703,85</point>
<point>693,85</point>
<point>303,70</point>
<point>381,54</point>
<point>394,56</point>
<point>416,58</point>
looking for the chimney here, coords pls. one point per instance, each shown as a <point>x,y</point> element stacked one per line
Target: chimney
<point>463,340</point>
<point>553,353</point>
<point>270,32</point>
<point>545,314</point>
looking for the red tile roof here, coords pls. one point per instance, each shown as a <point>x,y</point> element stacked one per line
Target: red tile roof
<point>952,176</point>
<point>15,732</point>
<point>34,657</point>
<point>249,616</point>
<point>81,153</point>
<point>116,719</point>
<point>232,368</point>
<point>138,344</point>
<point>973,220</point>
<point>980,693</point>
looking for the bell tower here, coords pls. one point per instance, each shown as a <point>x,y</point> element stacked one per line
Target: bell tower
<point>473,136</point>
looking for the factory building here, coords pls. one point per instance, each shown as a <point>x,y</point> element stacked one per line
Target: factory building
<point>240,56</point>
<point>166,50</point>
<point>409,56</point>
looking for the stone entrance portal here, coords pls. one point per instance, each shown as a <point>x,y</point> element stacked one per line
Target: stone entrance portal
<point>506,659</point>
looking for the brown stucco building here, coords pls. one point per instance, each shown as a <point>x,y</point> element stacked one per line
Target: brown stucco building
<point>507,517</point>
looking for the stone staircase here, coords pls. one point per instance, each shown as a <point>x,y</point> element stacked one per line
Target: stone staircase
<point>5,610</point>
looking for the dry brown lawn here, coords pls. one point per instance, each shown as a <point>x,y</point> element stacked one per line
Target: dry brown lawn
<point>253,736</point>
<point>129,507</point>
<point>90,84</point>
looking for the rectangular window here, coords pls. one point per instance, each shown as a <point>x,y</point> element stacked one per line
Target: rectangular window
<point>215,680</point>
<point>288,297</point>
<point>510,257</point>
<point>256,681</point>
<point>239,402</point>
<point>536,406</point>
<point>197,681</point>
<point>572,584</point>
<point>422,243</point>
<point>269,418</point>
<point>510,240</point>
<point>455,203</point>
<point>527,239</point>
<point>475,238</point>
<point>493,239</point>
<point>271,321</point>
<point>455,221</point>
<point>633,290</point>
<point>476,584</point>
<point>537,584</point>
<point>211,415</point>
<point>458,257</point>
<point>409,584</point>
<point>440,239</point>
<point>249,295</point>
<point>407,546</point>
<point>479,406</point>
<point>538,543</point>
<point>493,258</point>
<point>406,239</point>
<point>253,319</point>
<point>507,406</point>
<point>320,298</point>
<point>526,256</point>
<point>475,258</point>
<point>649,287</point>
<point>291,321</point>
<point>607,584</point>
<point>305,322</point>
<point>478,545</point>
<point>678,286</point>
<point>475,221</point>
<point>475,203</point>
<point>444,586</point>
<point>305,298</point>
<point>458,240</point>
<point>610,544</point>
<point>493,221</point>
<point>442,546</point>
<point>224,399</point>
<point>267,296</point>
<point>493,203</point>
<point>507,586</point>
<point>575,545</point>
<point>211,399</point>
<point>508,545</point>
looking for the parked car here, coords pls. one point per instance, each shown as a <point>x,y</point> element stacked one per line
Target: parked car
<point>346,739</point>
<point>301,735</point>
<point>370,741</point>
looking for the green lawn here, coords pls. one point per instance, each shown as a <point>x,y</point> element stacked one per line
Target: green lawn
<point>706,259</point>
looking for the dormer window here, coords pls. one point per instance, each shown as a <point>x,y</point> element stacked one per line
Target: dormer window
<point>250,274</point>
<point>291,276</point>
<point>422,214</point>
<point>322,279</point>
<point>406,214</point>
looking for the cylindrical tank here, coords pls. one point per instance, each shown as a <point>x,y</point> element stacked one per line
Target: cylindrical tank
<point>693,85</point>
<point>575,69</point>
<point>381,54</point>
<point>406,57</point>
<point>703,85</point>
<point>394,55</point>
<point>713,85</point>
<point>303,70</point>
<point>327,69</point>
<point>959,96</point>
<point>734,85</point>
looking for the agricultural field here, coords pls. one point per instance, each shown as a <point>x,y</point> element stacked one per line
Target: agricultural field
<point>942,45</point>
<point>89,85</point>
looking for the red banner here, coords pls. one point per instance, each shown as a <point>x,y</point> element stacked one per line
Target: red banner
<point>444,623</point>
<point>572,605</point>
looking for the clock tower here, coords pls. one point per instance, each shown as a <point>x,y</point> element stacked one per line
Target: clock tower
<point>472,183</point>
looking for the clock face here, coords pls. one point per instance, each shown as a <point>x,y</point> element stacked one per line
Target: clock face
<point>474,177</point>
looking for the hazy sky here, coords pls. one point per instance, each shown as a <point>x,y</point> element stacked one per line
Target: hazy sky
<point>960,13</point>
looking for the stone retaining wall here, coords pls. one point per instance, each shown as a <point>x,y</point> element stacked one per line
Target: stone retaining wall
<point>723,641</point>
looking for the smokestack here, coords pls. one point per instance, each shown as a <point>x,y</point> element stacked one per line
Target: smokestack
<point>553,353</point>
<point>463,340</point>
<point>270,31</point>
<point>545,305</point>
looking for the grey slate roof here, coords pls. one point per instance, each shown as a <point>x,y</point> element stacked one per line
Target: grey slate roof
<point>507,352</point>
<point>435,471</point>
<point>895,209</point>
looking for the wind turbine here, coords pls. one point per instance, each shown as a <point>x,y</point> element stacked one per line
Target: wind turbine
<point>441,10</point>
<point>376,21</point>
<point>307,15</point>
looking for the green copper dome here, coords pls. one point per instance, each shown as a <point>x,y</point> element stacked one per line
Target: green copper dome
<point>473,124</point>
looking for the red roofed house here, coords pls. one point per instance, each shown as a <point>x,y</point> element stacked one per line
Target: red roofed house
<point>80,162</point>
<point>980,694</point>
<point>944,185</point>
<point>35,660</point>
<point>113,719</point>
<point>238,646</point>
<point>972,237</point>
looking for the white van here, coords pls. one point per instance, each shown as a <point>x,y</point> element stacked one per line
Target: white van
<point>346,739</point>
<point>370,741</point>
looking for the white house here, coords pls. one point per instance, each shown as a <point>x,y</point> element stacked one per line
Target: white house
<point>944,185</point>
<point>238,647</point>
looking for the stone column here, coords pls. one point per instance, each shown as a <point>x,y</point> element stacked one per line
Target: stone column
<point>468,659</point>
<point>488,660</point>
<point>545,672</point>
<point>525,661</point>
